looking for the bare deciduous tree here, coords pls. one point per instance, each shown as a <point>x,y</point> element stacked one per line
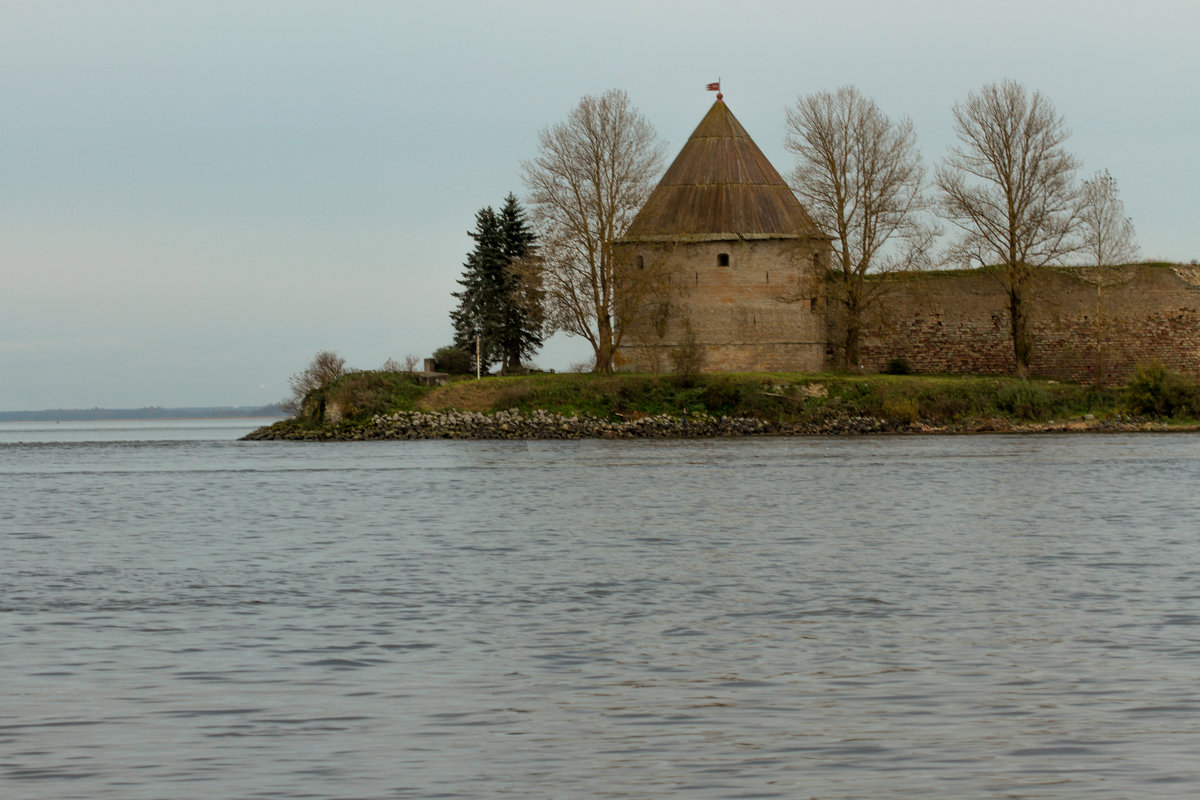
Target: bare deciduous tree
<point>1009,186</point>
<point>325,367</point>
<point>1108,240</point>
<point>860,177</point>
<point>408,365</point>
<point>1108,235</point>
<point>592,174</point>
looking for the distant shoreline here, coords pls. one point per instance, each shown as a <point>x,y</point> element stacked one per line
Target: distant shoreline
<point>149,414</point>
<point>149,419</point>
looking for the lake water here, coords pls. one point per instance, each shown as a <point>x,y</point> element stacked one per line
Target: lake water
<point>187,616</point>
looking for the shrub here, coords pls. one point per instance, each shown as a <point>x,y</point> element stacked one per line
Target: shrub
<point>902,409</point>
<point>722,396</point>
<point>688,357</point>
<point>454,360</point>
<point>325,368</point>
<point>363,394</point>
<point>1025,400</point>
<point>1156,390</point>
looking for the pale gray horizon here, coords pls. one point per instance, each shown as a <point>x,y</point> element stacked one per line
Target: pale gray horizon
<point>195,197</point>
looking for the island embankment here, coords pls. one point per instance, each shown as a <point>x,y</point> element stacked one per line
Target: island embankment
<point>393,405</point>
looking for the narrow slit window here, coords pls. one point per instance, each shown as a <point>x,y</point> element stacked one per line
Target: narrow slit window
<point>641,262</point>
<point>812,304</point>
<point>722,259</point>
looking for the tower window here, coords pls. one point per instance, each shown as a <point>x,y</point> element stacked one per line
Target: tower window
<point>641,262</point>
<point>722,259</point>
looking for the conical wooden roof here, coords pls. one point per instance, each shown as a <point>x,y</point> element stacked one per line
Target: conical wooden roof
<point>721,186</point>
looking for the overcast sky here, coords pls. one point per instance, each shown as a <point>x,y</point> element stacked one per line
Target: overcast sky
<point>195,197</point>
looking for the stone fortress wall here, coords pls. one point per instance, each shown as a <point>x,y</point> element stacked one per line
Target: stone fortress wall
<point>1084,321</point>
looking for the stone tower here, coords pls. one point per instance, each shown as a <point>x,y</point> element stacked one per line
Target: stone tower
<point>724,268</point>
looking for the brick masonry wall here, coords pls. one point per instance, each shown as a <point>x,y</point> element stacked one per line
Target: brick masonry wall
<point>763,310</point>
<point>1082,320</point>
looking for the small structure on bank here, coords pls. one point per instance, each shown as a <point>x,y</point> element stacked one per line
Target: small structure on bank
<point>429,375</point>
<point>726,272</point>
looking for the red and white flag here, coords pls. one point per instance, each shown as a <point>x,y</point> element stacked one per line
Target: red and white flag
<point>714,87</point>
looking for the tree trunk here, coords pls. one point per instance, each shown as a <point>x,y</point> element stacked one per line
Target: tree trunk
<point>851,356</point>
<point>604,345</point>
<point>1022,346</point>
<point>1099,335</point>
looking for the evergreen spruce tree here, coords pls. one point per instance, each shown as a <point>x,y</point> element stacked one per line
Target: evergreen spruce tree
<point>522,318</point>
<point>498,304</point>
<point>477,301</point>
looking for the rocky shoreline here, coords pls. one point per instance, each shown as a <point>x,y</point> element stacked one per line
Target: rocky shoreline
<point>514,424</point>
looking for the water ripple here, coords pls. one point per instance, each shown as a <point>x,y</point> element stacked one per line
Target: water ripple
<point>909,618</point>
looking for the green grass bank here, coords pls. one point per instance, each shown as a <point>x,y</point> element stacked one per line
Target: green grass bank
<point>798,403</point>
